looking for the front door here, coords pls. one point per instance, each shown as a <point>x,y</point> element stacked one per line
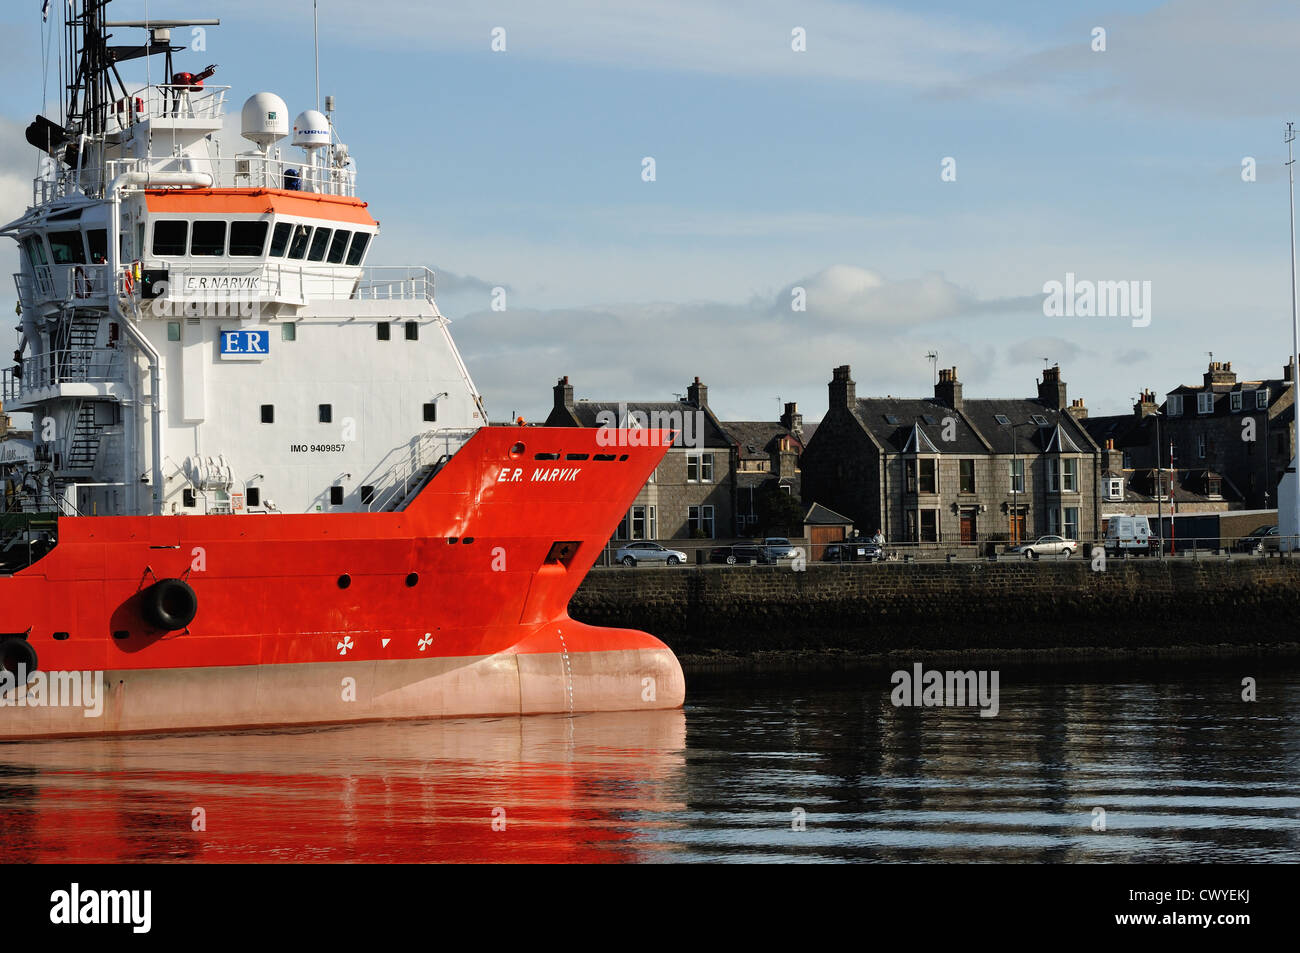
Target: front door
<point>968,526</point>
<point>1017,527</point>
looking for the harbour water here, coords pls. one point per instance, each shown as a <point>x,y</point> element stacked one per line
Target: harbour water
<point>814,766</point>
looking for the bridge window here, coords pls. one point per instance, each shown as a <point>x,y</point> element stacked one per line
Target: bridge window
<point>170,238</point>
<point>339,246</point>
<point>357,250</point>
<point>67,248</point>
<point>298,247</point>
<point>247,239</point>
<point>384,330</point>
<point>412,331</point>
<point>280,239</point>
<point>97,240</point>
<point>320,241</point>
<point>208,239</point>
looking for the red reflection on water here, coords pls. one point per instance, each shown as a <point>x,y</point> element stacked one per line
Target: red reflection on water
<point>546,789</point>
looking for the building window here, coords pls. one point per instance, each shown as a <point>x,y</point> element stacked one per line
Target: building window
<point>1205,402</point>
<point>288,331</point>
<point>929,525</point>
<point>644,522</point>
<point>699,469</point>
<point>1071,522</point>
<point>325,412</point>
<point>254,496</point>
<point>268,413</point>
<point>1214,487</point>
<point>968,476</point>
<point>1128,460</point>
<point>1200,446</point>
<point>699,519</point>
<point>1017,476</point>
<point>384,331</point>
<point>1053,522</point>
<point>1174,405</point>
<point>928,480</point>
<point>1069,476</point>
<point>909,476</point>
<point>431,412</point>
<point>1234,401</point>
<point>1053,467</point>
<point>1261,399</point>
<point>412,331</point>
<point>1115,489</point>
<point>336,496</point>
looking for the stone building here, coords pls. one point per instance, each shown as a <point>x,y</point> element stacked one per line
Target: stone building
<point>691,494</point>
<point>1227,439</point>
<point>946,469</point>
<point>767,455</point>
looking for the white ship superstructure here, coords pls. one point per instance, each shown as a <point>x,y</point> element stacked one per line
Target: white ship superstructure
<point>201,332</point>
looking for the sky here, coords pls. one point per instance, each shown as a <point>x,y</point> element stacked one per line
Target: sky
<point>915,176</point>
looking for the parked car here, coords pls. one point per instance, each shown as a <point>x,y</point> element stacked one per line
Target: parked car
<point>1263,538</point>
<point>778,547</point>
<point>634,553</point>
<point>740,553</point>
<point>851,550</point>
<point>1046,546</point>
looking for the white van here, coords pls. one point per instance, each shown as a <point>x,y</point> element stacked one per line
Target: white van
<point>1128,534</point>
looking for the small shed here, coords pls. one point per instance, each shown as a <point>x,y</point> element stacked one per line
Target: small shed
<point>822,527</point>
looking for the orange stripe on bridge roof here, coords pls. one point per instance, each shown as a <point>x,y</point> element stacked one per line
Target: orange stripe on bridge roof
<point>335,208</point>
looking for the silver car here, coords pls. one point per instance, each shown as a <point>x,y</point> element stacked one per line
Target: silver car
<point>634,553</point>
<point>1047,546</point>
<point>778,547</point>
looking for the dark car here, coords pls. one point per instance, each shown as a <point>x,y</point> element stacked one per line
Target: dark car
<point>740,553</point>
<point>853,550</point>
<point>1259,540</point>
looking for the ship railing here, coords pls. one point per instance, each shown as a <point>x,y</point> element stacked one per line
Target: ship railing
<point>250,171</point>
<point>403,470</point>
<point>95,365</point>
<point>395,282</point>
<point>162,101</point>
<point>62,284</point>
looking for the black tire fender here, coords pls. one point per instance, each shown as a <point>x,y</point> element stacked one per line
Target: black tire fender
<point>15,652</point>
<point>169,604</point>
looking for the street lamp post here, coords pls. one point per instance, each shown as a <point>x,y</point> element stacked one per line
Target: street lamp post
<point>1160,519</point>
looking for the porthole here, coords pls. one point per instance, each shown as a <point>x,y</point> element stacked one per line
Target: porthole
<point>344,581</point>
<point>517,450</point>
<point>412,578</point>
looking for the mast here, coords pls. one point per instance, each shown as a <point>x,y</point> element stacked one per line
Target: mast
<point>1295,353</point>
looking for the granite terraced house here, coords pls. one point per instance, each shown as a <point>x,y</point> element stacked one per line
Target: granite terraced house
<point>946,469</point>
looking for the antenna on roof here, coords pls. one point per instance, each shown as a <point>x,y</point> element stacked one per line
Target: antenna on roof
<point>933,358</point>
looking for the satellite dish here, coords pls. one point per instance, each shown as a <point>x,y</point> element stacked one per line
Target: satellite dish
<point>265,120</point>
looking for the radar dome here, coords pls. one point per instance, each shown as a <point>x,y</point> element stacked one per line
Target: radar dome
<point>265,119</point>
<point>311,130</point>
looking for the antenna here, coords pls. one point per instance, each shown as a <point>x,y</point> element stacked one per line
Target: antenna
<point>315,30</point>
<point>1289,138</point>
<point>933,358</point>
<point>1045,362</point>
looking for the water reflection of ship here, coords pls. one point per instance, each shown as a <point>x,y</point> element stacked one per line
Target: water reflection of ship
<point>562,787</point>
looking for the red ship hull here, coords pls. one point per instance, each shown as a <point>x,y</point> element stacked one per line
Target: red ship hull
<point>454,605</point>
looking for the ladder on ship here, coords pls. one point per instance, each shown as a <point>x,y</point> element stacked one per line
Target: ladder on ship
<point>85,439</point>
<point>78,346</point>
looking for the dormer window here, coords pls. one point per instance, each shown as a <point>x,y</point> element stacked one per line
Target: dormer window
<point>1115,488</point>
<point>1261,399</point>
<point>1234,401</point>
<point>1205,402</point>
<point>1174,405</point>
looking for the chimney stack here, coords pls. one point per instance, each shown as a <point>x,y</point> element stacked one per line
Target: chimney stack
<point>1051,390</point>
<point>1077,409</point>
<point>843,392</point>
<point>948,390</point>
<point>1146,404</point>
<point>564,394</point>
<point>697,395</point>
<point>1220,373</point>
<point>792,420</point>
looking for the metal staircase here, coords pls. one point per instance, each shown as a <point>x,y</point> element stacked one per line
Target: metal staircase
<point>84,446</point>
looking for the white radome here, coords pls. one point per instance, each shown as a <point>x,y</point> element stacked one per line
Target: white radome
<point>311,130</point>
<point>264,120</point>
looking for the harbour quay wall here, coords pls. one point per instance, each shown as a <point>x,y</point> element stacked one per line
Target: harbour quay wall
<point>873,608</point>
